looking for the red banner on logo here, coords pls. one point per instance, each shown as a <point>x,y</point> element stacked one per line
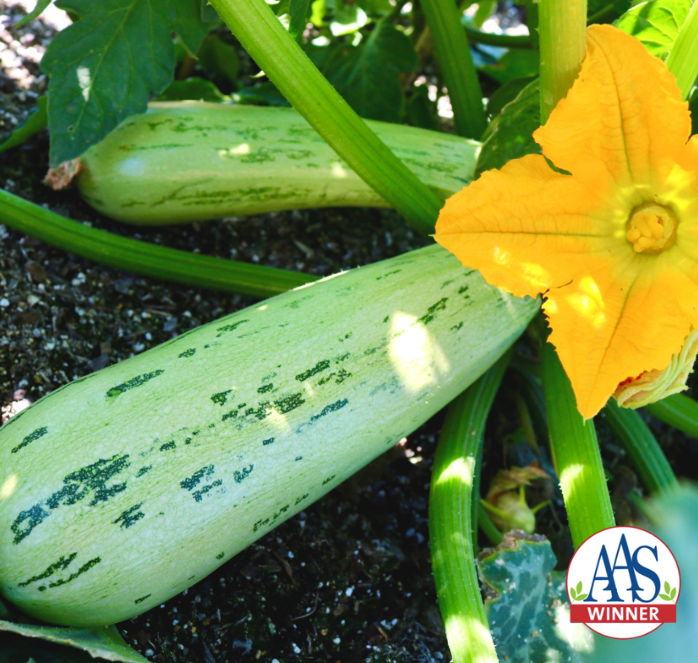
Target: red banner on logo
<point>622,614</point>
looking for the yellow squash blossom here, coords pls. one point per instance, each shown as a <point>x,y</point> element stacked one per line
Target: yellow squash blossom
<point>612,244</point>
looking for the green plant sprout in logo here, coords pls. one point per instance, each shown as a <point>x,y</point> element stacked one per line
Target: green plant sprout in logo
<point>576,594</point>
<point>669,593</point>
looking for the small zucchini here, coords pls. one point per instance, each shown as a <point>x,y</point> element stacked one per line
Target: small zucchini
<point>124,487</point>
<point>193,161</point>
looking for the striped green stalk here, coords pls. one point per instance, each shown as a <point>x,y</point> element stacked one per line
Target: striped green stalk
<point>562,32</point>
<point>456,64</point>
<point>576,455</point>
<point>678,411</point>
<point>489,529</point>
<point>289,68</point>
<point>143,258</point>
<point>647,456</point>
<point>453,509</point>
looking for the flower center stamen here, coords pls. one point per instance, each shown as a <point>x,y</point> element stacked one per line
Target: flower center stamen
<point>651,229</point>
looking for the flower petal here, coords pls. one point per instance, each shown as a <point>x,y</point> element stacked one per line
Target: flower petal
<point>680,192</point>
<point>653,386</point>
<point>623,119</point>
<point>618,323</point>
<point>527,228</point>
<point>682,275</point>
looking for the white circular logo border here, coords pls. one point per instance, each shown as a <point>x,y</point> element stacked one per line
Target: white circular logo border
<point>601,533</point>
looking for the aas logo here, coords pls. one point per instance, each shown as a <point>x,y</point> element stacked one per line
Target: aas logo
<point>623,582</point>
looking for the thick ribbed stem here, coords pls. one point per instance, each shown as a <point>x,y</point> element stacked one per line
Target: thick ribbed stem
<point>645,453</point>
<point>453,509</point>
<point>562,33</point>
<point>289,68</point>
<point>460,76</point>
<point>576,455</point>
<point>139,257</point>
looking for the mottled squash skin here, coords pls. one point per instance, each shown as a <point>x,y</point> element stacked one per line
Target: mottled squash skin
<point>126,486</point>
<point>193,161</point>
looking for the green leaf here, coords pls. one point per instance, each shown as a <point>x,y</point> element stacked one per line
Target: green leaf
<point>573,593</point>
<point>100,71</point>
<point>581,597</point>
<point>375,7</point>
<point>510,134</point>
<point>219,58</point>
<point>656,23</point>
<point>617,6</point>
<point>579,587</point>
<point>264,94</point>
<point>368,75</point>
<point>34,123</point>
<point>299,11</point>
<point>506,94</point>
<point>530,598</point>
<point>348,19</point>
<point>512,65</point>
<point>281,7</point>
<point>38,9</point>
<point>673,594</point>
<point>675,516</point>
<point>664,597</point>
<point>209,14</point>
<point>106,65</point>
<point>192,23</point>
<point>102,642</point>
<point>667,587</point>
<point>421,111</point>
<point>195,88</point>
<point>597,5</point>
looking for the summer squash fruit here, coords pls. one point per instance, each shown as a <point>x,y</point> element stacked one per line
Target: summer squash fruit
<point>128,485</point>
<point>193,161</point>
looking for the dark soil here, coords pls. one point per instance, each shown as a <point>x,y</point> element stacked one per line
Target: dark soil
<point>348,579</point>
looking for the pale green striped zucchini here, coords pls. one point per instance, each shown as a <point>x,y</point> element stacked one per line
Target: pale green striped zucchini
<point>126,486</point>
<point>193,161</point>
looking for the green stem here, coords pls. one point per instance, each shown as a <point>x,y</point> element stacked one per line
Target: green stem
<point>525,364</point>
<point>678,411</point>
<point>533,395</point>
<point>489,529</point>
<point>490,508</point>
<point>526,422</point>
<point>576,455</point>
<point>453,512</point>
<point>647,456</point>
<point>683,57</point>
<point>505,41</point>
<point>144,258</point>
<point>453,53</point>
<point>562,30</point>
<point>532,21</point>
<point>290,69</point>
